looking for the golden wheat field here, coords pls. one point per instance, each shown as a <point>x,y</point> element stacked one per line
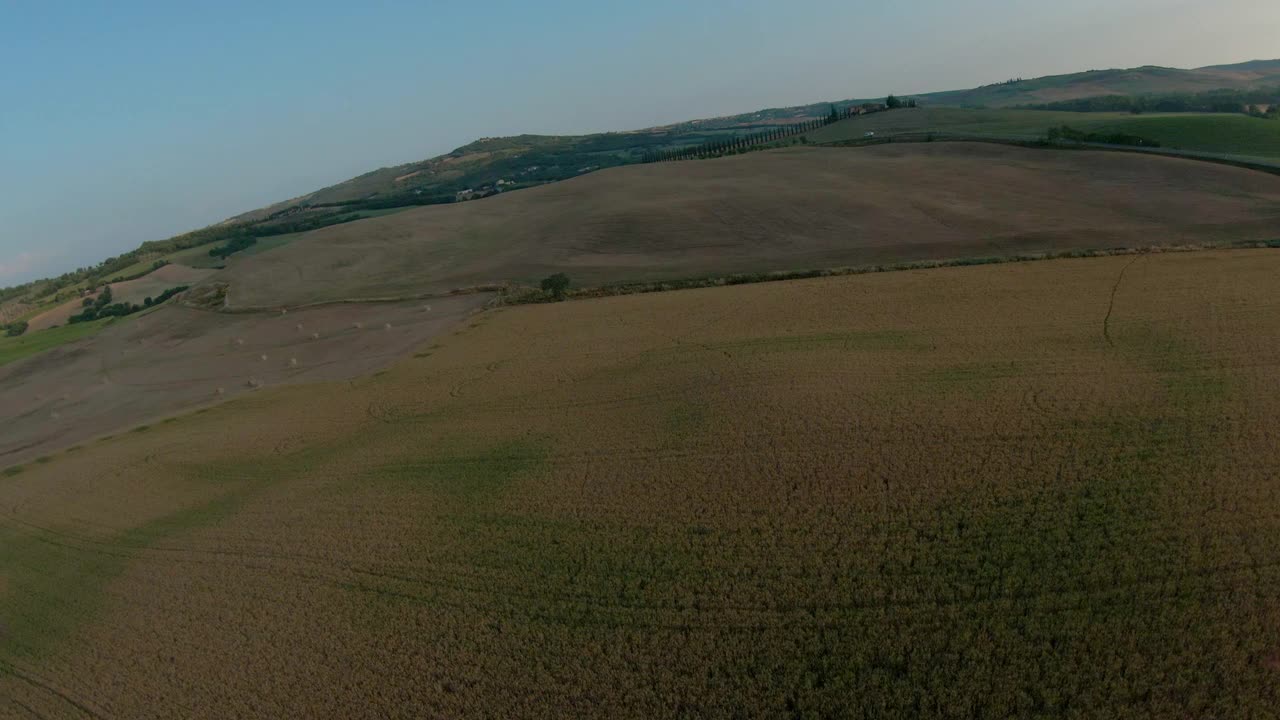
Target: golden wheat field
<point>1040,490</point>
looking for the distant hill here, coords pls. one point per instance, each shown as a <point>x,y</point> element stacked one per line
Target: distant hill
<point>1146,80</point>
<point>492,165</point>
<point>526,160</point>
<point>790,209</point>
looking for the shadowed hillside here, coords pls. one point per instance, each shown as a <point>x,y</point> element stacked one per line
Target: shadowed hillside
<point>779,210</point>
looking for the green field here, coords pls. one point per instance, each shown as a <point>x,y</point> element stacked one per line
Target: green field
<point>1228,134</point>
<point>33,342</point>
<point>138,269</point>
<point>384,211</point>
<point>196,257</point>
<point>1214,133</point>
<point>268,243</point>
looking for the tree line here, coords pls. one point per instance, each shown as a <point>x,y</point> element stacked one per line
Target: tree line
<point>1069,133</point>
<point>757,141</point>
<point>102,307</point>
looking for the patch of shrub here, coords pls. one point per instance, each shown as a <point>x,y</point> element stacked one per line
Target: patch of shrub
<point>99,311</point>
<point>14,329</point>
<point>556,285</point>
<point>233,246</point>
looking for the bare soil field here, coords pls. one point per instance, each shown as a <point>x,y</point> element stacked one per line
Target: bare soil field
<point>177,358</point>
<point>780,210</point>
<point>1041,489</point>
<point>130,291</point>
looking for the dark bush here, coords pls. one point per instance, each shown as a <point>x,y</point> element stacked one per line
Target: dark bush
<point>556,285</point>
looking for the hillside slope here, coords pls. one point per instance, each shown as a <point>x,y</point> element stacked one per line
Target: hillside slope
<point>534,159</point>
<point>1149,79</point>
<point>785,209</point>
<point>1222,133</point>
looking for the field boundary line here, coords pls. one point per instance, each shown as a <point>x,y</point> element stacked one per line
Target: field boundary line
<point>516,295</point>
<point>440,295</point>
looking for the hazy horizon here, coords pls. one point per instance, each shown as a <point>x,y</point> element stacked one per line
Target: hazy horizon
<point>140,121</point>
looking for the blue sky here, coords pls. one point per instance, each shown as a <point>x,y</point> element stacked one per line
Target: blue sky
<point>125,121</point>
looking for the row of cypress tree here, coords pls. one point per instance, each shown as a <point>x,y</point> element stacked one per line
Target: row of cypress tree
<point>744,143</point>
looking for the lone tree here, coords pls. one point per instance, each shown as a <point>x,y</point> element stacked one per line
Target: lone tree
<point>892,102</point>
<point>833,116</point>
<point>556,285</point>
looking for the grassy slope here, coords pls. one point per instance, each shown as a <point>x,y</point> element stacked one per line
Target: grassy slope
<point>661,505</point>
<point>479,160</point>
<point>780,210</point>
<point>1206,132</point>
<point>33,342</point>
<point>1227,134</point>
<point>197,257</point>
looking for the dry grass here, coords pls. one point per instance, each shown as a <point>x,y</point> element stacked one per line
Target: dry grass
<point>99,377</point>
<point>1038,489</point>
<point>781,210</point>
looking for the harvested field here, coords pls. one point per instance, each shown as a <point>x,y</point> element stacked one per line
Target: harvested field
<point>779,210</point>
<point>146,367</point>
<point>1041,489</point>
<point>130,291</point>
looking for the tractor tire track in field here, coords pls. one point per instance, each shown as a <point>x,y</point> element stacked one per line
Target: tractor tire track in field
<point>441,580</point>
<point>80,704</point>
<point>30,711</point>
<point>1111,306</point>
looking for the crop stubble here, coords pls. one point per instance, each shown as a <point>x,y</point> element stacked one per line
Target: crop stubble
<point>930,493</point>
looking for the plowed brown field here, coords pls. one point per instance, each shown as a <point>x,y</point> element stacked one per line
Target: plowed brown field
<point>1045,489</point>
